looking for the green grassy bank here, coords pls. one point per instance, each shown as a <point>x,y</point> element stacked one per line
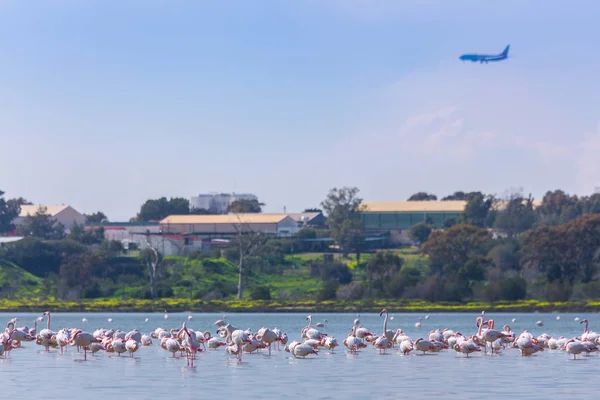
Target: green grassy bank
<point>181,305</point>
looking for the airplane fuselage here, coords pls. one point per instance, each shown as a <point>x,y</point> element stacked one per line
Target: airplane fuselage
<point>485,58</point>
<point>482,58</point>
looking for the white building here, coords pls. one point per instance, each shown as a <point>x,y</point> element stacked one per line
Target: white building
<point>218,202</point>
<point>62,213</point>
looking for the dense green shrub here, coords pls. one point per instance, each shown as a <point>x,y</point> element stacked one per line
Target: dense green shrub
<point>260,293</point>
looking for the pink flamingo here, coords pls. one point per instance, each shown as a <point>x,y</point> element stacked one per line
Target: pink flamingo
<point>191,344</point>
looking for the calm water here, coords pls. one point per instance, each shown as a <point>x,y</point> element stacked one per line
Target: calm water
<point>154,374</point>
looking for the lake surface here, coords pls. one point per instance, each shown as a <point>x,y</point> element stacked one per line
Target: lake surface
<point>153,373</point>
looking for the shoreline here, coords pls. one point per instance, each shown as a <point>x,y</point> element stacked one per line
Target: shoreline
<point>274,306</point>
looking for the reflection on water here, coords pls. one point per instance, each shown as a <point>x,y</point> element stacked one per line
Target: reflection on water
<point>153,373</point>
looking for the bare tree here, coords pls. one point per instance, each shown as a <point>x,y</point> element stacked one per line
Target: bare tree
<point>151,258</point>
<point>248,242</point>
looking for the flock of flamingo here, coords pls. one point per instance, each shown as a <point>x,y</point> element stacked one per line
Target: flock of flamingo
<point>185,342</point>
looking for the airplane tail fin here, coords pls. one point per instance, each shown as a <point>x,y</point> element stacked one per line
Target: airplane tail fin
<point>505,52</point>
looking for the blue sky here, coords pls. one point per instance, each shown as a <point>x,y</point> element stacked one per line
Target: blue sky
<point>106,104</point>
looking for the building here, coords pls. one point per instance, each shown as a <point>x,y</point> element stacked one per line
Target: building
<point>62,213</point>
<point>218,202</point>
<point>401,215</point>
<point>125,231</point>
<point>228,225</point>
<point>308,219</point>
<point>9,239</point>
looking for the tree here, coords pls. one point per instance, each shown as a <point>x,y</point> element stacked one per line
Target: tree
<point>565,252</point>
<point>244,206</point>
<point>96,217</point>
<point>77,270</point>
<point>517,217</point>
<point>94,235</point>
<point>311,210</point>
<point>343,218</point>
<point>422,196</point>
<point>247,242</point>
<point>450,221</point>
<point>381,269</point>
<point>202,211</point>
<point>152,259</point>
<point>155,210</point>
<point>478,210</point>
<point>456,196</point>
<point>42,225</point>
<point>458,254</point>
<point>9,210</point>
<point>419,233</point>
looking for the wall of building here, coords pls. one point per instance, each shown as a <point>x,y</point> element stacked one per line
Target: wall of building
<point>168,246</point>
<point>287,228</point>
<point>68,217</point>
<point>403,220</point>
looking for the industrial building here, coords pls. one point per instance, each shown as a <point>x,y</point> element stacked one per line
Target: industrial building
<point>401,215</point>
<point>62,213</point>
<point>228,225</point>
<point>308,219</point>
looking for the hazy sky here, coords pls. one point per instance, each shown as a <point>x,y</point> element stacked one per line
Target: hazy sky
<point>104,104</point>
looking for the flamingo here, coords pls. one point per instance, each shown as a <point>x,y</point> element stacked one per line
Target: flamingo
<point>191,344</point>
<point>382,342</point>
<point>146,340</point>
<point>589,335</point>
<point>46,334</point>
<point>118,346</point>
<point>171,345</point>
<point>321,324</point>
<point>467,346</point>
<point>267,336</point>
<point>436,336</point>
<point>6,340</point>
<point>96,347</point>
<point>330,343</point>
<point>282,339</point>
<point>311,333</point>
<point>490,335</point>
<point>406,346</point>
<point>221,322</point>
<point>215,343</point>
<point>134,334</point>
<point>302,350</point>
<point>424,345</point>
<point>63,337</point>
<point>574,346</point>
<point>527,344</point>
<point>82,339</point>
<point>239,338</point>
<point>132,346</point>
<point>352,342</point>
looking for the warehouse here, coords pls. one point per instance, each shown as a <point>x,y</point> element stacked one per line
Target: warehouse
<point>400,215</point>
<point>211,226</point>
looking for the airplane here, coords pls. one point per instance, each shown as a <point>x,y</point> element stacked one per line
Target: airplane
<point>485,58</point>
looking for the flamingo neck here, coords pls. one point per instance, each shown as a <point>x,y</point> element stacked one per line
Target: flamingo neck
<point>385,324</point>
